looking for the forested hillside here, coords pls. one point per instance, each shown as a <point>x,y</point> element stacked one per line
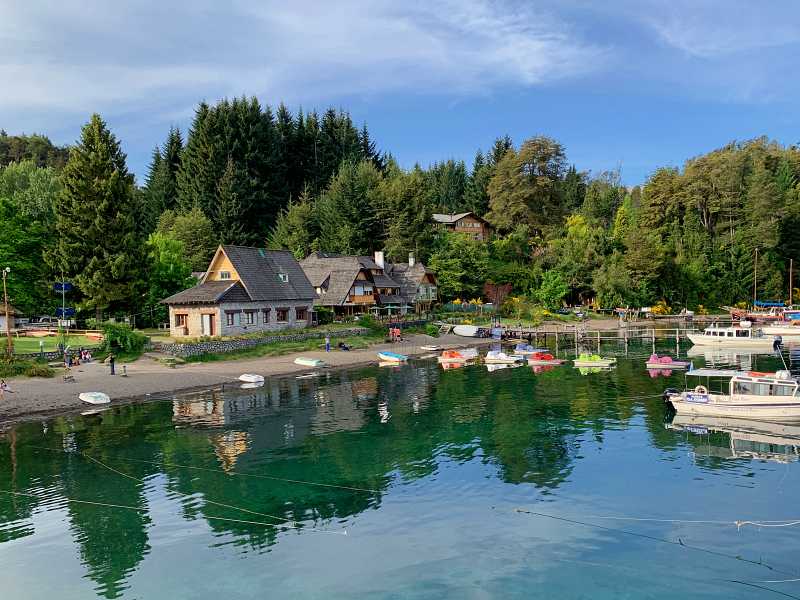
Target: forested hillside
<point>247,174</point>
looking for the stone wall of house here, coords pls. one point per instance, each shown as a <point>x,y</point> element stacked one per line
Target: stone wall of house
<point>241,327</point>
<point>193,314</point>
<point>222,346</point>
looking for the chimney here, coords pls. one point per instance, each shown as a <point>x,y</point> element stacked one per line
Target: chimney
<point>379,258</point>
<point>411,260</point>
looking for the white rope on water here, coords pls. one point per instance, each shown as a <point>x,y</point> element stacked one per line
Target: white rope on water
<point>284,522</point>
<point>738,523</point>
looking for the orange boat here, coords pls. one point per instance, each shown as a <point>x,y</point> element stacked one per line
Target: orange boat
<point>543,358</point>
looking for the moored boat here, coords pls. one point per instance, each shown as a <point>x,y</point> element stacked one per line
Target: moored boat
<point>392,357</point>
<point>466,330</point>
<point>498,357</point>
<point>740,337</point>
<point>665,362</point>
<point>458,356</point>
<point>527,349</point>
<point>94,397</point>
<point>430,348</point>
<point>543,358</point>
<point>748,395</point>
<point>594,361</point>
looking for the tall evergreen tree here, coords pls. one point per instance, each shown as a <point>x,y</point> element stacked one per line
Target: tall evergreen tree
<point>296,229</point>
<point>97,245</point>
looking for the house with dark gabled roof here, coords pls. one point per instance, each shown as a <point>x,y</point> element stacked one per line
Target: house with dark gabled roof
<point>467,222</point>
<point>244,290</point>
<point>358,284</point>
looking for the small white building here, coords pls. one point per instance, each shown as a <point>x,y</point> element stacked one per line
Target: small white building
<point>244,290</point>
<point>12,313</point>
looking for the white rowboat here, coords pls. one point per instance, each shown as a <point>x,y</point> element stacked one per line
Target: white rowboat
<point>309,362</point>
<point>251,378</point>
<point>94,397</point>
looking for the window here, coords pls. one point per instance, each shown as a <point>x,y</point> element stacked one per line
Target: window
<point>265,314</point>
<point>224,274</point>
<point>283,277</point>
<point>743,387</point>
<point>282,314</point>
<point>229,318</point>
<point>741,333</point>
<point>783,390</point>
<point>301,313</point>
<point>180,320</point>
<point>249,317</point>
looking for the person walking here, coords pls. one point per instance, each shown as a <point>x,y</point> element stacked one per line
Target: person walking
<point>3,389</point>
<point>327,343</point>
<point>111,362</point>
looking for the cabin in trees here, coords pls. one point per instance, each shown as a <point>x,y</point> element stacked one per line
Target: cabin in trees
<point>12,314</point>
<point>244,290</point>
<point>359,284</point>
<point>466,222</point>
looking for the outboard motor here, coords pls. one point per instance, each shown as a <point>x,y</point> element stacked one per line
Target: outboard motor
<point>777,345</point>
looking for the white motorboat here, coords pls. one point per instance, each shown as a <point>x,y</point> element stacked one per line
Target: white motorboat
<point>466,330</point>
<point>748,395</point>
<point>251,378</point>
<point>498,357</point>
<point>739,337</point>
<point>309,362</point>
<point>94,397</point>
<point>783,329</point>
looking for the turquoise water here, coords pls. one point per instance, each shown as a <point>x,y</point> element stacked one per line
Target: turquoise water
<point>408,482</point>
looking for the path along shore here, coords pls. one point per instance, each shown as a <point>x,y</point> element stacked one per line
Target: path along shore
<point>36,398</point>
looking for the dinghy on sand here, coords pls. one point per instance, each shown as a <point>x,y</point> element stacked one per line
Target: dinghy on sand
<point>309,362</point>
<point>392,357</point>
<point>94,397</point>
<point>251,378</point>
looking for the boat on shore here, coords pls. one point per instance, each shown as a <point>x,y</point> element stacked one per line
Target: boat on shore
<point>748,395</point>
<point>538,359</point>
<point>467,330</point>
<point>430,348</point>
<point>740,337</point>
<point>457,356</point>
<point>309,362</point>
<point>665,362</point>
<point>498,357</point>
<point>94,397</point>
<point>391,357</point>
<point>251,378</point>
<point>594,361</point>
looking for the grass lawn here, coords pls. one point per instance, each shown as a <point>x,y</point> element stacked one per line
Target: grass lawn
<point>25,345</point>
<point>356,342</point>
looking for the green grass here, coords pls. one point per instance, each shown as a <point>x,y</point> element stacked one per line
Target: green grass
<point>356,342</point>
<point>27,368</point>
<point>29,345</point>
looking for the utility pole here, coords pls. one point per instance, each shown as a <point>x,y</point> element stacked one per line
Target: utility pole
<point>9,341</point>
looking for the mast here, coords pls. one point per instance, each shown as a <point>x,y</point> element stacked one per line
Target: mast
<point>791,268</point>
<point>755,279</point>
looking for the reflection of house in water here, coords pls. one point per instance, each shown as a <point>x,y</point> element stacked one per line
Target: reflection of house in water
<point>228,446</point>
<point>341,406</point>
<point>721,358</point>
<point>745,439</point>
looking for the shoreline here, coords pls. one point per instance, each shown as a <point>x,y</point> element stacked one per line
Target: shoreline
<point>36,399</point>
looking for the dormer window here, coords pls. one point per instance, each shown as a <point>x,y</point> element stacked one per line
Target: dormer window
<point>283,277</point>
<point>224,274</point>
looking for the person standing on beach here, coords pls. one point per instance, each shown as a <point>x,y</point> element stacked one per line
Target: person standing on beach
<point>111,362</point>
<point>327,343</point>
<point>3,389</point>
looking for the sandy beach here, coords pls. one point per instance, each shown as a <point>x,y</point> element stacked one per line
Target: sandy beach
<point>36,398</point>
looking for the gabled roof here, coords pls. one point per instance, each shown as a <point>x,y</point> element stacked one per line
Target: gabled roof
<point>258,269</point>
<point>408,277</point>
<point>210,292</point>
<point>451,219</point>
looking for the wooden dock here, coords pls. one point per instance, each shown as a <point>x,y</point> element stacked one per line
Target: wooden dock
<point>581,335</point>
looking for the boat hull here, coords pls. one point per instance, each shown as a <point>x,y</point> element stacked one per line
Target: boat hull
<point>251,378</point>
<point>675,365</point>
<point>595,363</point>
<point>720,405</point>
<point>466,330</point>
<point>392,357</point>
<point>537,363</point>
<point>309,362</point>
<point>94,397</point>
<point>705,340</point>
<point>782,330</point>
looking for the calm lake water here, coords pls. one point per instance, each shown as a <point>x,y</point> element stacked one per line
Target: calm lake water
<point>408,482</point>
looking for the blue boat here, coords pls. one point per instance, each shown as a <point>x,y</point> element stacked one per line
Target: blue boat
<point>392,357</point>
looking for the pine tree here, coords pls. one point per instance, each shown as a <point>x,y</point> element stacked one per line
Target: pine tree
<point>476,194</point>
<point>296,228</point>
<point>97,245</point>
<point>229,209</point>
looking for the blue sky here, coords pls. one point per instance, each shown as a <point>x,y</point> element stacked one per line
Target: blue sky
<point>634,84</point>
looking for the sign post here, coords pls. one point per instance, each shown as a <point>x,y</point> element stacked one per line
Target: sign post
<point>9,341</point>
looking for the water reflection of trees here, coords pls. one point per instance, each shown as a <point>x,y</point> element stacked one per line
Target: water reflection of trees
<point>359,429</point>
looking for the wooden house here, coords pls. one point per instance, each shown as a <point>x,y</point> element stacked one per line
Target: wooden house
<point>244,290</point>
<point>467,222</point>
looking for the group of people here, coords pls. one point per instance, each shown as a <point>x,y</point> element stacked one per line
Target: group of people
<point>341,345</point>
<point>82,356</point>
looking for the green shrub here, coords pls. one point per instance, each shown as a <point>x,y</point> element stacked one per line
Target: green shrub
<point>371,323</point>
<point>119,337</point>
<point>324,315</point>
<point>39,370</point>
<point>432,330</point>
<point>28,368</point>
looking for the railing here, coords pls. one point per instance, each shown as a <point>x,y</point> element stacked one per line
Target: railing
<point>362,299</point>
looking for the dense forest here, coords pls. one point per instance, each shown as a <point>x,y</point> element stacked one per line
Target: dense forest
<point>247,174</point>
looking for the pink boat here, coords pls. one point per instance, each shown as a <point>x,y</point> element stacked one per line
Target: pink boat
<point>665,362</point>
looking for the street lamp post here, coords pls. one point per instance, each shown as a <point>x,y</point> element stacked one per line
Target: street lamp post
<point>9,341</point>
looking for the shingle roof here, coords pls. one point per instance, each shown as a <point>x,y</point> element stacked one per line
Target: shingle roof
<point>258,269</point>
<point>443,218</point>
<point>211,292</point>
<point>408,277</point>
<point>391,299</point>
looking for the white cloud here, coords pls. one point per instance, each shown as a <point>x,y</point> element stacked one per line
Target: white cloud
<point>77,57</point>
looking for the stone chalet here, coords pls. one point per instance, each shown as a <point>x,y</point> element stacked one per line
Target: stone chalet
<point>244,290</point>
<point>359,284</point>
<point>467,222</point>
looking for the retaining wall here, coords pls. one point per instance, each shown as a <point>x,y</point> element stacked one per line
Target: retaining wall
<point>222,346</point>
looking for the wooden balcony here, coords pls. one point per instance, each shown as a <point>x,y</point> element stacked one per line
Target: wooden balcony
<point>362,299</point>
